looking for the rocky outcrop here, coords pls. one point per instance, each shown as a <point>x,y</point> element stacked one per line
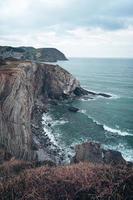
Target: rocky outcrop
<point>80,91</point>
<point>92,152</point>
<point>73,109</point>
<point>26,87</point>
<point>31,53</point>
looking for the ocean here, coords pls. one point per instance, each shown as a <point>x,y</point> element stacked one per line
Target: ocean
<point>108,121</point>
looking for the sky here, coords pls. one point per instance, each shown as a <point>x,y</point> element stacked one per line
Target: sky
<point>79,28</point>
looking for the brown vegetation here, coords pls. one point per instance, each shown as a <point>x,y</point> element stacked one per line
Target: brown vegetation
<point>83,181</point>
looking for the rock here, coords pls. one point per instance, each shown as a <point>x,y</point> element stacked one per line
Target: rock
<point>2,61</point>
<point>73,109</point>
<point>80,91</point>
<point>47,162</point>
<point>104,95</point>
<point>49,124</point>
<point>88,151</point>
<point>92,152</point>
<point>4,156</point>
<point>30,53</point>
<point>54,102</point>
<point>113,157</point>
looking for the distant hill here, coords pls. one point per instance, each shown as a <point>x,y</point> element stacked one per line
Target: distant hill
<point>31,53</point>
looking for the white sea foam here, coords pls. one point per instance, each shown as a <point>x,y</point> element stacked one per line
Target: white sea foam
<point>114,96</point>
<point>112,130</point>
<point>82,111</point>
<point>59,122</point>
<point>87,99</point>
<point>117,131</point>
<point>45,120</point>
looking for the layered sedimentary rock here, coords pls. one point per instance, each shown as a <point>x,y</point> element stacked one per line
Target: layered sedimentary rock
<point>23,87</point>
<point>31,53</point>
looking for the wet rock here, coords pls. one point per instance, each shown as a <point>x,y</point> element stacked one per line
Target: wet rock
<point>73,109</point>
<point>104,95</point>
<point>80,91</point>
<point>92,152</point>
<point>54,102</point>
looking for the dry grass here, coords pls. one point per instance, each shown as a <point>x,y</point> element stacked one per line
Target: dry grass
<point>82,181</point>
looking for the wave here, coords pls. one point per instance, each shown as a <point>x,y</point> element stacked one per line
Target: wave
<point>112,130</point>
<point>87,99</point>
<point>119,132</point>
<point>82,111</point>
<point>105,127</point>
<point>59,122</point>
<point>46,120</point>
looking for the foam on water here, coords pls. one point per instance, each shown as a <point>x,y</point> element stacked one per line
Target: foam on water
<point>51,133</point>
<point>59,122</point>
<point>46,119</point>
<point>82,111</point>
<point>107,128</point>
<point>119,132</point>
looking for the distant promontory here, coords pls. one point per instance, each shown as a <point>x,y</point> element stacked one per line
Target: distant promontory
<point>31,53</point>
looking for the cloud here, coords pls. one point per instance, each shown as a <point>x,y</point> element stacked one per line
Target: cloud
<point>95,27</point>
<point>81,42</point>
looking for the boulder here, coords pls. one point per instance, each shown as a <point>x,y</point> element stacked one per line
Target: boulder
<point>92,152</point>
<point>113,157</point>
<point>88,151</point>
<point>73,109</point>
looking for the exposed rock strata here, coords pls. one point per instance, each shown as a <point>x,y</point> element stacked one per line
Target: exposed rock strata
<point>25,86</point>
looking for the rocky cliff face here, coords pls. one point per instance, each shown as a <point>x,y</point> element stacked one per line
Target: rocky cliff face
<point>23,87</point>
<point>30,53</point>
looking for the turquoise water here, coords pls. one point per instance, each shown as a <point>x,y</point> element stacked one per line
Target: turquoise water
<point>108,121</point>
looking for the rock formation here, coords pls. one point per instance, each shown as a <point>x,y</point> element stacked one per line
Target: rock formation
<point>26,87</point>
<point>92,152</point>
<point>30,53</point>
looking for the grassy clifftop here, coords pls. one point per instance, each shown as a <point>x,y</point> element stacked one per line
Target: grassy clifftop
<point>84,181</point>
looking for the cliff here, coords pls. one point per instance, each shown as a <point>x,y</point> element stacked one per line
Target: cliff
<point>31,53</point>
<point>26,87</point>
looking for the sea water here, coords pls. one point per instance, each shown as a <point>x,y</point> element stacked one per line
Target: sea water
<point>105,120</point>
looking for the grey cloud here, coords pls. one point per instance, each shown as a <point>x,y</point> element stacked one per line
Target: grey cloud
<point>110,15</point>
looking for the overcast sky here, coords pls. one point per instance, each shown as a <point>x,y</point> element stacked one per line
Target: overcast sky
<point>85,28</point>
